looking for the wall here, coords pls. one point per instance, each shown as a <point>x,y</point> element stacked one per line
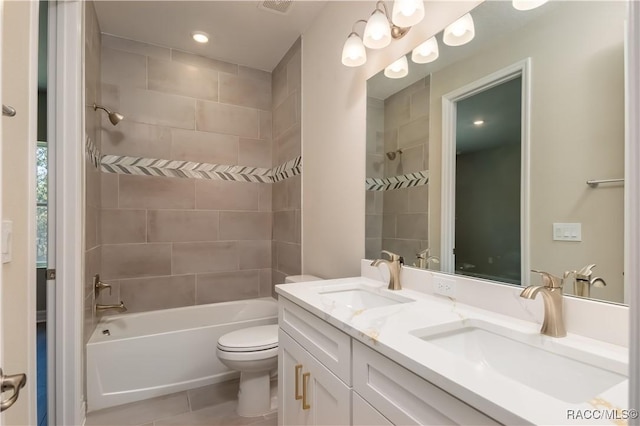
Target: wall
<point>334,131</point>
<point>19,134</point>
<point>286,88</point>
<point>574,137</point>
<point>167,241</point>
<point>92,237</point>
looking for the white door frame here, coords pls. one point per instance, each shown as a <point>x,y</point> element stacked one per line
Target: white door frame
<point>447,238</point>
<point>66,61</point>
<point>632,202</point>
<point>1,141</point>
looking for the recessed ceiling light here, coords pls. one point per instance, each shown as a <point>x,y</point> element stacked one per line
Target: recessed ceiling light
<point>200,36</point>
<point>478,122</point>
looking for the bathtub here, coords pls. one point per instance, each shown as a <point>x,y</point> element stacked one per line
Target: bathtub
<point>161,352</point>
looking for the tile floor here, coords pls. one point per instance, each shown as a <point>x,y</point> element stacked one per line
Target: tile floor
<point>210,405</point>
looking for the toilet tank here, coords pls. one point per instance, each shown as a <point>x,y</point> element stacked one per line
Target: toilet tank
<point>300,278</point>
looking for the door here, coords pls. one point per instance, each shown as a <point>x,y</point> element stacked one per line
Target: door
<point>309,394</point>
<point>18,59</point>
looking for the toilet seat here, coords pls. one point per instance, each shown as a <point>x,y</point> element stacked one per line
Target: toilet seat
<point>252,339</point>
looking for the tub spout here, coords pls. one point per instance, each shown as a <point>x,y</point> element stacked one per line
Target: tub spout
<point>101,308</point>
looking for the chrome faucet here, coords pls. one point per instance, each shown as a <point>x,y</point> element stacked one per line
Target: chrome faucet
<point>394,264</point>
<point>424,259</point>
<point>583,281</point>
<point>551,291</point>
<point>120,307</point>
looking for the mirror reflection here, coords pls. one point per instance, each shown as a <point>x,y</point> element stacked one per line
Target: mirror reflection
<point>513,206</point>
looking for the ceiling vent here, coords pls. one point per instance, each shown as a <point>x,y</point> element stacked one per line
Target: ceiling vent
<point>281,7</point>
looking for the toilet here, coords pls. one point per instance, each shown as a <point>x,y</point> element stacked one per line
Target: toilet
<point>254,352</point>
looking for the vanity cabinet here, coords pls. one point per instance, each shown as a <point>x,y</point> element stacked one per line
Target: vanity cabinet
<point>327,378</point>
<point>309,394</point>
<point>405,398</point>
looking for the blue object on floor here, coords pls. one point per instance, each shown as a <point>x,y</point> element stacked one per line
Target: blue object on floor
<point>41,349</point>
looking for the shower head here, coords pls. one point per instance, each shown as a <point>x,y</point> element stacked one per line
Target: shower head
<point>391,155</point>
<point>114,117</point>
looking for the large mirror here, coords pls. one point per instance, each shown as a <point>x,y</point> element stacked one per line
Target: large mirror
<point>515,194</point>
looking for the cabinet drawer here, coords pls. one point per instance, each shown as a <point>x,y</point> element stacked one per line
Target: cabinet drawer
<point>405,398</point>
<point>329,345</point>
<point>365,415</point>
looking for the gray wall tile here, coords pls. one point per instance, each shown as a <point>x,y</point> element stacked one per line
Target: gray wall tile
<point>245,90</point>
<point>182,225</point>
<point>181,79</point>
<point>191,258</point>
<point>124,226</point>
<point>135,260</point>
<point>204,147</point>
<point>201,61</point>
<point>153,192</point>
<point>222,287</point>
<point>148,294</point>
<point>161,109</point>
<point>245,225</point>
<point>227,119</point>
<point>226,195</point>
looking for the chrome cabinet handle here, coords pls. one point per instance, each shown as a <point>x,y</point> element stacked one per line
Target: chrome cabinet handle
<point>298,369</point>
<point>15,382</point>
<point>305,383</point>
<point>8,111</point>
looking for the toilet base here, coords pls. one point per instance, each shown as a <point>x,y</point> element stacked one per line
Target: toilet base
<point>254,396</point>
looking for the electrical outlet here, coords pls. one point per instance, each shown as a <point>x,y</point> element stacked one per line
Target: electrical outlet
<point>444,287</point>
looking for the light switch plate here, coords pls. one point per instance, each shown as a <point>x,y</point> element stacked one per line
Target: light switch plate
<point>567,232</point>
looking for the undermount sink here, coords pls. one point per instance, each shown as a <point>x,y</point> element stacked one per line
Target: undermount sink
<point>563,372</point>
<point>361,298</point>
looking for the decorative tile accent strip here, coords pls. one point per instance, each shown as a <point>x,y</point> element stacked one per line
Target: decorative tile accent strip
<point>186,169</point>
<point>93,153</point>
<point>182,169</point>
<point>289,169</point>
<point>397,182</point>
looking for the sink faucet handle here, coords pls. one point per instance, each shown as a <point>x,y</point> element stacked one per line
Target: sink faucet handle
<point>422,254</point>
<point>393,257</point>
<point>549,280</point>
<point>585,273</point>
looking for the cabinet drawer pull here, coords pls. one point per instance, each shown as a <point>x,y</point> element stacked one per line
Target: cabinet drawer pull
<point>298,368</point>
<point>305,383</point>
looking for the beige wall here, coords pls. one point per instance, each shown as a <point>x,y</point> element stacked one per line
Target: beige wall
<point>18,204</point>
<point>286,89</point>
<point>577,134</point>
<point>334,132</point>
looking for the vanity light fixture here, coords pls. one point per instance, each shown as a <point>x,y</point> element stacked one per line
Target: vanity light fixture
<point>380,30</point>
<point>527,4</point>
<point>426,52</point>
<point>200,37</point>
<point>407,13</point>
<point>397,69</point>
<point>460,32</point>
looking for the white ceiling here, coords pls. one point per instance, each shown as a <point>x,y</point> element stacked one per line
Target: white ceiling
<point>239,31</point>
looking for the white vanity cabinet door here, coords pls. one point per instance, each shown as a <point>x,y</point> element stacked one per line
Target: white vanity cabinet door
<point>328,398</point>
<point>405,398</point>
<point>329,345</point>
<point>365,415</point>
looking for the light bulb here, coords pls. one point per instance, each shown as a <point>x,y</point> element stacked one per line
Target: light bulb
<point>353,53</point>
<point>527,4</point>
<point>200,36</point>
<point>460,32</point>
<point>426,52</point>
<point>407,13</point>
<point>377,33</point>
<point>397,69</point>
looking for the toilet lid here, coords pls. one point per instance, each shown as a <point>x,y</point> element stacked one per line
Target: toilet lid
<point>250,339</point>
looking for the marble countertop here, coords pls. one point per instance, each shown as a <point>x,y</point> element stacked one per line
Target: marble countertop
<point>387,329</point>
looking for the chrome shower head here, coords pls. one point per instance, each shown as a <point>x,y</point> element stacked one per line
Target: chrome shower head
<point>114,117</point>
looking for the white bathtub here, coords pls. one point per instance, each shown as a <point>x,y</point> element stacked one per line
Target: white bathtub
<point>160,352</point>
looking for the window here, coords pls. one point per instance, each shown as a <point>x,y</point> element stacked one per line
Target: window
<point>41,204</point>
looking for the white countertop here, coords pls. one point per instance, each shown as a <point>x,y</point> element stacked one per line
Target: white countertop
<point>387,330</point>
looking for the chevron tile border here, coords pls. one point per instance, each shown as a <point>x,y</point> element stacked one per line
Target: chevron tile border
<point>93,153</point>
<point>188,169</point>
<point>397,182</point>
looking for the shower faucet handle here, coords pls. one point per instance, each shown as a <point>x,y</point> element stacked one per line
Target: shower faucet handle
<point>98,285</point>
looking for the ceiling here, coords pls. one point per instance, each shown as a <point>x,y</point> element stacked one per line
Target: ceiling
<point>240,32</point>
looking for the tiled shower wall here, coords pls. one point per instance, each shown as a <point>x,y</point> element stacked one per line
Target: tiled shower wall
<point>406,211</point>
<point>170,242</point>
<point>93,249</point>
<point>286,88</point>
